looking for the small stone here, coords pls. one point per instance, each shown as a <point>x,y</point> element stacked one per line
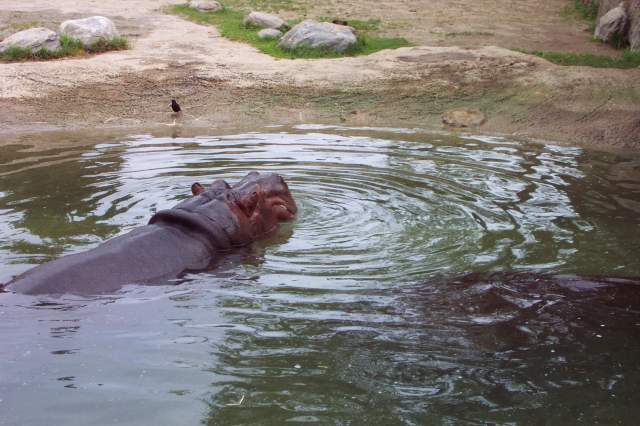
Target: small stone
<point>464,117</point>
<point>33,39</point>
<point>264,20</point>
<point>269,34</point>
<point>90,30</point>
<point>206,5</point>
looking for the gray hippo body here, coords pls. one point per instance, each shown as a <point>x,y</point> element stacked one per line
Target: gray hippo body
<point>190,236</point>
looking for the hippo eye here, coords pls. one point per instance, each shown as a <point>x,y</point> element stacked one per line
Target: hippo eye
<point>249,204</point>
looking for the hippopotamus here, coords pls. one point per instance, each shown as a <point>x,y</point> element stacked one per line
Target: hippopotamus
<point>189,236</point>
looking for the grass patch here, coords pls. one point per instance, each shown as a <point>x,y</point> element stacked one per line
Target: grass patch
<point>583,10</point>
<point>372,24</point>
<point>628,59</point>
<point>588,9</point>
<point>69,47</point>
<point>229,23</point>
<point>102,45</point>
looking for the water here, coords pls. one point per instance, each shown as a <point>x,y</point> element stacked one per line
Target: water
<point>429,279</point>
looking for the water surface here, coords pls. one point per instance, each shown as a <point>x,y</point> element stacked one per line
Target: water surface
<point>418,286</point>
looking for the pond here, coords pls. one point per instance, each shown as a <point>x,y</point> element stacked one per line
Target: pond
<point>429,279</point>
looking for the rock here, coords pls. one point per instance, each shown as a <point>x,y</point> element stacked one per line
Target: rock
<point>612,23</point>
<point>463,117</point>
<point>269,33</point>
<point>634,25</point>
<point>604,6</point>
<point>33,38</point>
<point>90,30</point>
<point>264,20</point>
<point>319,35</point>
<point>205,5</point>
<point>631,34</point>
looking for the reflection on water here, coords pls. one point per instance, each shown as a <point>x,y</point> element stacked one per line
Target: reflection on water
<point>362,311</point>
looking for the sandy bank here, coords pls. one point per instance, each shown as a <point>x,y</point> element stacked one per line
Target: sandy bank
<point>220,82</point>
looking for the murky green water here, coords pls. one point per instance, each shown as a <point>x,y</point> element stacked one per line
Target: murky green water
<point>360,312</point>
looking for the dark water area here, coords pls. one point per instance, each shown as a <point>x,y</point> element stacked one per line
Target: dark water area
<point>429,279</point>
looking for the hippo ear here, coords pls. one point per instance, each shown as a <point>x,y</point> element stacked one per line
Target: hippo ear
<point>197,188</point>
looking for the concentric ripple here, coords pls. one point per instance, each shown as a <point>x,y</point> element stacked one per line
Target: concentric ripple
<point>372,209</point>
<point>362,311</point>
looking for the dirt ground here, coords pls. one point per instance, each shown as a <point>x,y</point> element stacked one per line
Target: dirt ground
<point>461,59</point>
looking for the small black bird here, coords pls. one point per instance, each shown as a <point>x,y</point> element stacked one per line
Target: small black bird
<point>174,106</point>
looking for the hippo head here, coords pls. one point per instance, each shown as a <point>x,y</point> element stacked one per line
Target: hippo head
<point>226,216</point>
<point>260,202</point>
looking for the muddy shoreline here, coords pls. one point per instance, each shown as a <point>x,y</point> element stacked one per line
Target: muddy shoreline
<point>524,112</point>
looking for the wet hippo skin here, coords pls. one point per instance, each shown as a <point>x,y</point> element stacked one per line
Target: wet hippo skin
<point>188,236</point>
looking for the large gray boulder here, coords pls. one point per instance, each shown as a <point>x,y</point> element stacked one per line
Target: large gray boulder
<point>613,23</point>
<point>631,32</point>
<point>634,24</point>
<point>206,5</point>
<point>319,35</point>
<point>33,39</point>
<point>264,20</point>
<point>90,30</point>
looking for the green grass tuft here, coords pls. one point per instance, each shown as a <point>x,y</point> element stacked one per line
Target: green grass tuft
<point>69,47</point>
<point>619,41</point>
<point>372,24</point>
<point>588,9</point>
<point>628,59</point>
<point>229,23</point>
<point>102,45</point>
<point>14,53</point>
